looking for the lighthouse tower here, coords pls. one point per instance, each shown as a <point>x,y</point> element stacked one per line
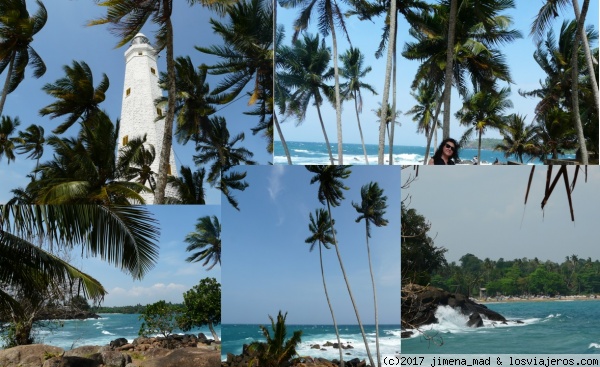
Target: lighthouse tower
<point>139,112</point>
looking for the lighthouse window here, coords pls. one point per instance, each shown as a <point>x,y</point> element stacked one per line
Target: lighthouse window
<point>169,169</point>
<point>125,139</point>
<point>159,111</point>
<point>153,71</point>
<point>128,92</point>
<point>140,53</point>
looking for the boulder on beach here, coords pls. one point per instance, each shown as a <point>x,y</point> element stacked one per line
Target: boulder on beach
<point>187,357</point>
<point>475,320</point>
<point>28,355</point>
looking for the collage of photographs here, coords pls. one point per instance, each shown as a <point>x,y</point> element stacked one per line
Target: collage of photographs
<point>137,136</point>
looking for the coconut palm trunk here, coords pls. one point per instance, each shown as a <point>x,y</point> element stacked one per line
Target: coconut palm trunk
<point>386,86</point>
<point>391,149</point>
<point>283,143</point>
<point>167,139</point>
<point>275,120</point>
<point>575,99</point>
<point>337,332</point>
<point>6,84</point>
<point>338,103</point>
<point>362,140</point>
<point>337,251</point>
<point>479,147</point>
<point>580,17</point>
<point>449,64</point>
<point>433,129</point>
<point>325,134</point>
<point>374,297</point>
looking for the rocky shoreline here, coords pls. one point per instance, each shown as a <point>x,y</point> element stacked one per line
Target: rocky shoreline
<point>419,304</point>
<point>173,351</point>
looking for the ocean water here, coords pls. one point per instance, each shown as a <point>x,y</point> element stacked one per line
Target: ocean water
<point>235,336</point>
<point>69,334</point>
<point>316,153</point>
<point>553,327</point>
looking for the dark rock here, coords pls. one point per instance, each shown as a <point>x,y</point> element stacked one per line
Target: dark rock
<point>406,334</point>
<point>114,359</point>
<point>28,355</point>
<point>70,362</point>
<point>315,346</point>
<point>118,342</point>
<point>186,357</point>
<point>328,344</point>
<point>475,320</point>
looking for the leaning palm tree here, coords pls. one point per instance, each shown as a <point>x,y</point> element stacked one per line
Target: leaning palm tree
<point>304,72</point>
<point>352,70</point>
<point>205,242</point>
<point>371,209</point>
<point>8,127</point>
<point>329,15</point>
<point>32,142</point>
<point>124,236</point>
<point>189,187</point>
<point>17,29</point>
<point>247,56</point>
<point>331,192</point>
<point>322,233</point>
<point>424,111</point>
<point>75,96</point>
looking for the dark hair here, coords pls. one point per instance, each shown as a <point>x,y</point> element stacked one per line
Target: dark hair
<point>438,152</point>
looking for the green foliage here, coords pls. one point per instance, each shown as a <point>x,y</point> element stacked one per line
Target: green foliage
<point>137,309</point>
<point>202,306</point>
<point>276,351</point>
<point>159,318</point>
<point>79,303</point>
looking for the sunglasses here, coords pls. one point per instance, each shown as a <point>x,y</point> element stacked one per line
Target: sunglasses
<point>449,147</point>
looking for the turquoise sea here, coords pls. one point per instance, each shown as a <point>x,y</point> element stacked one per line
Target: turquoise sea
<point>316,153</point>
<point>552,327</point>
<point>235,336</point>
<point>69,334</point>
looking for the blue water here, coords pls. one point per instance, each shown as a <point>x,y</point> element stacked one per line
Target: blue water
<point>68,334</point>
<point>235,336</point>
<point>561,327</point>
<point>316,153</point>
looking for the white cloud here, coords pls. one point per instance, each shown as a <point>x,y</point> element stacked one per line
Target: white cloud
<point>275,181</point>
<point>171,292</point>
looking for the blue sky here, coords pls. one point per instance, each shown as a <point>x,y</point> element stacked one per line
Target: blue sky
<point>172,275</point>
<point>365,35</point>
<point>268,266</point>
<point>480,210</point>
<point>65,38</point>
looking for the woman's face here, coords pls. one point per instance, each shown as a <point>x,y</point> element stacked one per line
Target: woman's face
<point>448,149</point>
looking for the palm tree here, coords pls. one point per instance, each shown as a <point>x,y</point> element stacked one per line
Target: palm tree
<point>76,95</point>
<point>276,351</point>
<point>126,19</point>
<point>331,192</point>
<point>205,242</point>
<point>329,15</point>
<point>281,94</point>
<point>135,161</point>
<point>519,139</point>
<point>371,209</point>
<point>424,111</point>
<point>7,143</point>
<point>542,21</point>
<point>84,170</point>
<point>322,233</point>
<point>17,29</point>
<point>247,55</point>
<point>352,70</point>
<point>32,142</point>
<point>194,103</point>
<point>390,116</point>
<point>217,148</point>
<point>555,132</point>
<point>124,236</point>
<point>305,71</point>
<point>189,187</point>
<point>482,110</point>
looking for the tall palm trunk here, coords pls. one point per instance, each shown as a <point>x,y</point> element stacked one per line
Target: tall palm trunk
<point>337,332</point>
<point>339,256</point>
<point>391,149</point>
<point>161,183</point>
<point>586,46</point>
<point>374,296</point>
<point>283,143</point>
<point>479,147</point>
<point>386,84</point>
<point>449,62</point>
<point>360,130</point>
<point>575,99</point>
<point>5,89</point>
<point>324,133</point>
<point>433,128</point>
<point>338,103</point>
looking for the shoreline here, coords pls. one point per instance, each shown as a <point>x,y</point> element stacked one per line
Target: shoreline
<point>493,300</point>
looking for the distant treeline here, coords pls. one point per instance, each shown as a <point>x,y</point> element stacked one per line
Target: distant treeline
<point>519,276</point>
<point>137,309</point>
<point>486,143</point>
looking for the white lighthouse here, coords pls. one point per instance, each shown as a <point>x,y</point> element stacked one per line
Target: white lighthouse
<point>138,111</point>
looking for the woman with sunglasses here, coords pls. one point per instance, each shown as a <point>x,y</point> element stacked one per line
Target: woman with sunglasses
<point>446,153</point>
